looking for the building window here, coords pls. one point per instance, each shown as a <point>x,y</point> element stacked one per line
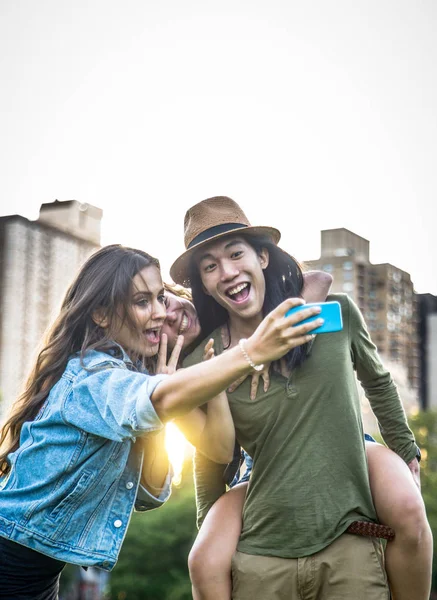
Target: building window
<point>348,276</point>
<point>348,287</point>
<point>348,265</point>
<point>327,268</point>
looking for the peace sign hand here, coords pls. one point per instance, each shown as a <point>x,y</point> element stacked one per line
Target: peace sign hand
<point>208,351</point>
<point>162,366</point>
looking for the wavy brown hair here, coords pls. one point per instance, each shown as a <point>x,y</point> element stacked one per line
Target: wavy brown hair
<point>103,285</point>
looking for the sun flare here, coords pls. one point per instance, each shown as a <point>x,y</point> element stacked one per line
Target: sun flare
<point>175,444</point>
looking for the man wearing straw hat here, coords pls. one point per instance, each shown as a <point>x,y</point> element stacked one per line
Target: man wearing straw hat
<point>309,483</point>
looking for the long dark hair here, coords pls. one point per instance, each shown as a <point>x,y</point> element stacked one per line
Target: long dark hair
<point>283,277</point>
<point>104,283</point>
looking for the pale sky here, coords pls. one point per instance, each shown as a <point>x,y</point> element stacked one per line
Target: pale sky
<point>312,114</point>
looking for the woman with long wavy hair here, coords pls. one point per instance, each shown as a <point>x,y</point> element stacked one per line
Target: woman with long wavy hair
<point>72,470</point>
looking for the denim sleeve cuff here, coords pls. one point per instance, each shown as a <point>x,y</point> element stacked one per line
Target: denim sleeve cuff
<point>147,418</point>
<point>147,501</point>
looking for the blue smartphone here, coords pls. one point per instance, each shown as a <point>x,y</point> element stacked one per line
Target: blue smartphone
<point>331,313</point>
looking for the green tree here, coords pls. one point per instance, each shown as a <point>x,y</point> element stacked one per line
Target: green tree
<point>68,580</point>
<point>424,425</point>
<point>153,561</point>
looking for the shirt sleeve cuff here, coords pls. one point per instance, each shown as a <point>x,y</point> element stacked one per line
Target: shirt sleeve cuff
<point>412,454</point>
<point>147,501</point>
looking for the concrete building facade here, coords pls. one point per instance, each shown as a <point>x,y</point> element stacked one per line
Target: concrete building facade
<point>383,292</point>
<point>427,304</point>
<point>38,260</point>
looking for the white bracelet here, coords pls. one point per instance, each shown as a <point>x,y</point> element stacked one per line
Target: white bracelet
<point>242,344</point>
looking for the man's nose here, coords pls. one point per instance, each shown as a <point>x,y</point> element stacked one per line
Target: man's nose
<point>228,271</point>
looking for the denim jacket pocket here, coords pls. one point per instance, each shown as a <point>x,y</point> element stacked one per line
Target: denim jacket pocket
<point>66,507</point>
<point>106,501</point>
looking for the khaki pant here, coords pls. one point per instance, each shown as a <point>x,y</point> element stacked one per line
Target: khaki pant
<point>351,568</point>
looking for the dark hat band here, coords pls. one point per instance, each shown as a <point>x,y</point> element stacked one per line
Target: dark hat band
<point>213,232</point>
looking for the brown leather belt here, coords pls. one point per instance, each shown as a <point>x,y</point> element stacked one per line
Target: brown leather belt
<point>371,529</point>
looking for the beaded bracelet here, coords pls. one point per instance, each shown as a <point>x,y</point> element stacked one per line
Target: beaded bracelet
<point>242,344</point>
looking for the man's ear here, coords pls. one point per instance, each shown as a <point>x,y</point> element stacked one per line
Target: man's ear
<point>264,258</point>
<point>100,318</point>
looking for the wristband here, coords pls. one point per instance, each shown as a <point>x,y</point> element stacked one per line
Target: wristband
<point>242,344</point>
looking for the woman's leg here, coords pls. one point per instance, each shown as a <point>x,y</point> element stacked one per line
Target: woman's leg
<point>399,504</point>
<point>209,561</point>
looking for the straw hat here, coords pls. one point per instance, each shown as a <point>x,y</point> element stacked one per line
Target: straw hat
<point>208,220</point>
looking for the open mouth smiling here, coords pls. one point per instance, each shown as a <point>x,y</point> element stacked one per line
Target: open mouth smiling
<point>184,324</point>
<point>153,336</point>
<point>239,293</point>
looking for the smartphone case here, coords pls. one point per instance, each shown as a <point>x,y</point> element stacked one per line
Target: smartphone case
<point>331,313</point>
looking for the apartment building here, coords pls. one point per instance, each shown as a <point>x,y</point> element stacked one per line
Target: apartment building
<point>38,260</point>
<point>427,309</point>
<point>383,292</point>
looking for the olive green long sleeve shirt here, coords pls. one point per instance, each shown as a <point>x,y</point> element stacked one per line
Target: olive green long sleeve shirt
<point>305,435</point>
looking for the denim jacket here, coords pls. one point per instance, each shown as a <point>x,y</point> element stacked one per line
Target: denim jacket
<point>75,478</point>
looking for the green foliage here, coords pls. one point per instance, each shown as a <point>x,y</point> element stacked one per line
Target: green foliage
<point>153,560</point>
<point>68,577</point>
<point>424,426</point>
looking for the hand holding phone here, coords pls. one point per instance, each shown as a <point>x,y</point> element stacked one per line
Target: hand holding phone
<point>330,312</point>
